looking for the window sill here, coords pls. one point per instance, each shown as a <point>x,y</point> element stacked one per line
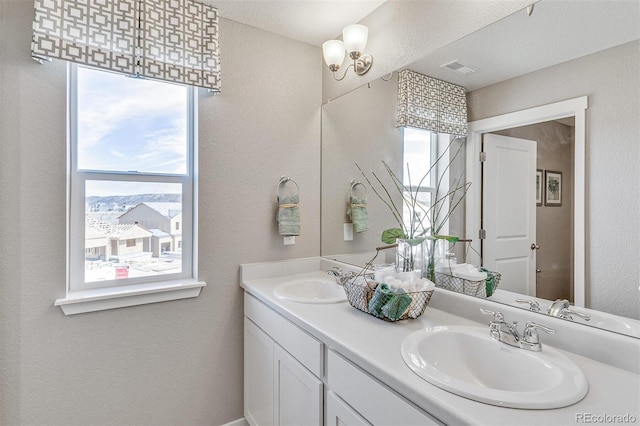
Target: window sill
<point>78,302</point>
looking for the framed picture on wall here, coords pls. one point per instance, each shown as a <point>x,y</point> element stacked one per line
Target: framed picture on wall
<point>539,187</point>
<point>552,188</point>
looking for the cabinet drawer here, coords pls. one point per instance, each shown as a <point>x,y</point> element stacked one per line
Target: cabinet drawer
<point>304,347</point>
<point>374,401</point>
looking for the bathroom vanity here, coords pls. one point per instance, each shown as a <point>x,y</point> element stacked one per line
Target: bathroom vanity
<point>328,363</point>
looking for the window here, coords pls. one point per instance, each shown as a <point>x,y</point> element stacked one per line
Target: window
<point>421,152</point>
<point>131,163</point>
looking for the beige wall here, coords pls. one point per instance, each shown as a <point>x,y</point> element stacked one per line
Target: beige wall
<point>358,128</point>
<point>610,79</point>
<point>401,32</point>
<point>176,362</point>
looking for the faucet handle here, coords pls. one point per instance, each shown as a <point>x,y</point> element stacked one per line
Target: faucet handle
<point>533,304</point>
<point>530,336</point>
<point>497,316</point>
<point>566,313</point>
<point>532,326</point>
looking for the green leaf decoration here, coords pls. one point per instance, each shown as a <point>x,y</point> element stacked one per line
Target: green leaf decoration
<point>389,236</point>
<point>449,238</point>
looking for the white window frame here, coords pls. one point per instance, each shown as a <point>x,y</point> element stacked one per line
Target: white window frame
<point>87,297</point>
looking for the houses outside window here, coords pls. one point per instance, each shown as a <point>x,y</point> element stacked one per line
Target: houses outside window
<point>132,180</point>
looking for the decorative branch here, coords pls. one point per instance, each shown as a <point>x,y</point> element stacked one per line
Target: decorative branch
<point>440,205</point>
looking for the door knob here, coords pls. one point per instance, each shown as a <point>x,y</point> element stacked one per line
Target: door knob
<point>534,246</point>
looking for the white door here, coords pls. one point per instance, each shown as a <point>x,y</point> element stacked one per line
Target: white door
<point>509,211</point>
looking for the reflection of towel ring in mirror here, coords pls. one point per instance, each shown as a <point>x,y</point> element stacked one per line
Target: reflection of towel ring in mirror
<point>283,180</point>
<point>355,183</point>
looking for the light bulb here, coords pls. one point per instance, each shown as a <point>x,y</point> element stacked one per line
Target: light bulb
<point>355,39</point>
<point>333,51</point>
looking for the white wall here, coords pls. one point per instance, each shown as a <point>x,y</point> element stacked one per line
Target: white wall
<point>176,362</point>
<point>610,79</point>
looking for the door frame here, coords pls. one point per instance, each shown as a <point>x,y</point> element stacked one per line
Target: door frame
<point>576,108</point>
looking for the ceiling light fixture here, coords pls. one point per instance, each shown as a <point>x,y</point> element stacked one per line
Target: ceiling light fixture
<point>355,40</point>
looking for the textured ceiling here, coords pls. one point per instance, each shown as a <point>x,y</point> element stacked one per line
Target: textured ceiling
<point>557,31</point>
<point>309,21</point>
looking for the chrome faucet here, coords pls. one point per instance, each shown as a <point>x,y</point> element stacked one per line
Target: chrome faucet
<point>504,332</point>
<point>335,271</point>
<point>561,308</point>
<point>340,276</point>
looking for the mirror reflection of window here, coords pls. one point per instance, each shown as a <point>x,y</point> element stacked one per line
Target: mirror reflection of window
<point>419,151</point>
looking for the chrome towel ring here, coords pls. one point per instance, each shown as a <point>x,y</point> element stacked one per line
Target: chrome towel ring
<point>283,180</point>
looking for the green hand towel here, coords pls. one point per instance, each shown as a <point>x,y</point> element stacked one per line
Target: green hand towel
<point>397,305</point>
<point>288,215</point>
<point>490,282</point>
<point>380,298</point>
<point>358,213</point>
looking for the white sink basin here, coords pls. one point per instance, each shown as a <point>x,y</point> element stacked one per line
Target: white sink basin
<point>311,290</point>
<point>468,363</point>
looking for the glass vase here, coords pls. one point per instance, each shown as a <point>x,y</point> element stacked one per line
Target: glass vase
<point>411,255</point>
<point>437,250</point>
<point>431,245</point>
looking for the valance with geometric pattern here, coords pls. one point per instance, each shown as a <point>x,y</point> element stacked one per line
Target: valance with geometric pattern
<point>428,103</point>
<point>171,40</point>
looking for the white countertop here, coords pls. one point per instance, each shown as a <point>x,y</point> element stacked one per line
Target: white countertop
<point>374,345</point>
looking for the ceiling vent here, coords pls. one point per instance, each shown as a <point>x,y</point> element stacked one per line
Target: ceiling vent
<point>460,68</point>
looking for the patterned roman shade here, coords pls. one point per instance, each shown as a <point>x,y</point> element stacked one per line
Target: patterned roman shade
<point>431,104</point>
<point>172,40</point>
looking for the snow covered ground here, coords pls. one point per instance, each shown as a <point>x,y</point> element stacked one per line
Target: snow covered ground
<point>137,267</point>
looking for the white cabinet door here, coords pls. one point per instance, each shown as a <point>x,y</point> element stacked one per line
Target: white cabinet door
<point>258,375</point>
<point>298,393</point>
<point>340,414</point>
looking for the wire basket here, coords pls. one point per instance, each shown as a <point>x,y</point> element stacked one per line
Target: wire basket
<point>360,291</point>
<point>482,288</point>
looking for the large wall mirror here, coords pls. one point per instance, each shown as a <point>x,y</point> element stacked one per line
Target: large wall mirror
<point>566,77</point>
